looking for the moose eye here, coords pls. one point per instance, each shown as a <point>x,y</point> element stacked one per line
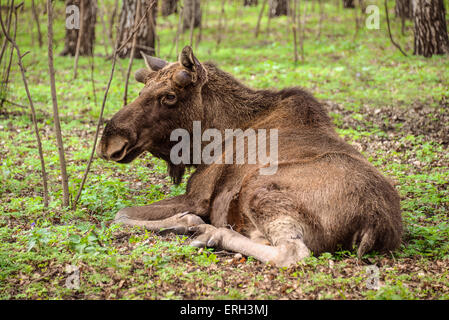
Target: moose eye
<point>170,97</point>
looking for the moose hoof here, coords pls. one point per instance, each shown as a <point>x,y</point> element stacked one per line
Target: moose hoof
<point>187,219</point>
<point>209,236</point>
<point>121,216</point>
<point>181,222</point>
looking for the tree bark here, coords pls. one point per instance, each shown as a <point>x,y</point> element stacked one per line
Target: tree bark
<point>349,4</point>
<point>403,9</point>
<point>430,28</point>
<point>278,8</point>
<point>248,3</point>
<point>88,35</point>
<point>169,7</point>
<point>146,34</point>
<point>192,12</point>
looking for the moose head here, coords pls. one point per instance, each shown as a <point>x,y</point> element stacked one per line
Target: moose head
<point>170,99</point>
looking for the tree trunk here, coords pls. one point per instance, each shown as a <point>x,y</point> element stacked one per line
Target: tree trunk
<point>191,7</point>
<point>146,35</point>
<point>88,35</point>
<point>348,4</point>
<point>169,7</point>
<point>430,28</point>
<point>247,3</point>
<point>278,8</point>
<point>403,9</point>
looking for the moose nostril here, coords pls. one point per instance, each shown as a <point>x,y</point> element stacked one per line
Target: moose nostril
<point>120,153</point>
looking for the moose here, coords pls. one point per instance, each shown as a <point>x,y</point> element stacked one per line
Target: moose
<point>323,197</point>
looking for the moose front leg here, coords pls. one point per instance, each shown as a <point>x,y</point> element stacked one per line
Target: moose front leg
<point>174,214</point>
<point>158,210</point>
<point>179,223</point>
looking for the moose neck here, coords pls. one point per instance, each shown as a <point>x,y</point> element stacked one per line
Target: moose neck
<point>228,104</point>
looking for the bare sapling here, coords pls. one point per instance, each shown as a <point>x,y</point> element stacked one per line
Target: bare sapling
<point>105,97</point>
<point>33,111</point>
<point>57,123</point>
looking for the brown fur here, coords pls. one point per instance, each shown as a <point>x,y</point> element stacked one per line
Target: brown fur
<point>324,194</point>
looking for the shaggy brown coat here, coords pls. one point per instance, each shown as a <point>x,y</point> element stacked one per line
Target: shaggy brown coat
<point>324,196</point>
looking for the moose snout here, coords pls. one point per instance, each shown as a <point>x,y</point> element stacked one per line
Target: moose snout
<point>114,149</point>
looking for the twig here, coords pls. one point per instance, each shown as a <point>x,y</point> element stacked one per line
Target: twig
<point>36,18</point>
<point>260,18</point>
<point>303,28</point>
<point>220,24</point>
<point>389,31</point>
<point>131,55</point>
<point>178,31</point>
<point>136,28</point>
<point>92,68</point>
<point>294,28</point>
<point>33,111</point>
<point>62,162</point>
<point>111,23</point>
<point>8,21</point>
<point>320,23</point>
<point>102,10</point>
<point>78,40</point>
<point>8,68</point>
<point>192,22</point>
<point>15,103</point>
<point>100,119</point>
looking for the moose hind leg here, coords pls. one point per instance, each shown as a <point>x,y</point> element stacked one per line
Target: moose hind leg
<point>285,254</point>
<point>281,220</point>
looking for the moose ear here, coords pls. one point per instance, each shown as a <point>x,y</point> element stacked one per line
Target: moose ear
<point>141,75</point>
<point>153,63</point>
<point>187,59</point>
<point>191,63</point>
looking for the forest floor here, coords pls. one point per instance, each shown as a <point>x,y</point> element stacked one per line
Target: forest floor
<point>394,109</point>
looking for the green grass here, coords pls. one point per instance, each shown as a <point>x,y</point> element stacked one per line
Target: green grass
<point>353,70</point>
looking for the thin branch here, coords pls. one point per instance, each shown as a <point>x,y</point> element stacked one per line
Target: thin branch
<point>78,40</point>
<point>8,21</point>
<point>192,22</point>
<point>131,55</point>
<point>62,162</point>
<point>36,18</point>
<point>100,119</point>
<point>320,23</point>
<point>8,68</point>
<point>389,31</point>
<point>102,11</point>
<point>294,29</point>
<point>178,31</point>
<point>137,27</point>
<point>303,28</point>
<point>33,111</point>
<point>260,18</point>
<point>92,68</point>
